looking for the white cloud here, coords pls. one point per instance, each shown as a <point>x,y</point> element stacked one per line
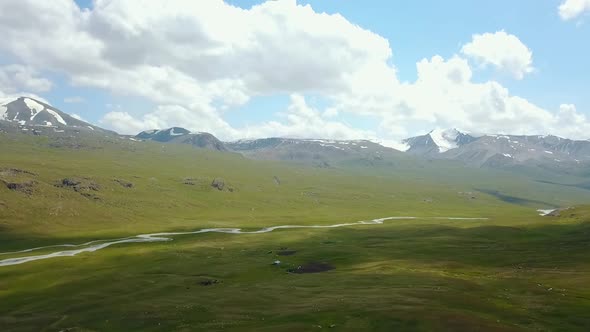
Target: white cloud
<point>192,117</point>
<point>573,123</point>
<point>299,120</point>
<point>330,113</point>
<point>9,97</point>
<point>184,57</point>
<point>303,121</point>
<point>570,9</point>
<point>21,81</point>
<point>199,60</point>
<point>501,50</point>
<point>124,123</point>
<point>185,51</point>
<point>15,77</point>
<point>445,96</point>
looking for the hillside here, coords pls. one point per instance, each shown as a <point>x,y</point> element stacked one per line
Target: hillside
<point>183,136</point>
<point>170,187</point>
<point>56,190</point>
<point>439,269</point>
<point>316,152</point>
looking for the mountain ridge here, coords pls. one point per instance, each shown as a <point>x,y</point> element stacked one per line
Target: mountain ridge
<point>487,150</point>
<point>181,135</point>
<point>491,150</point>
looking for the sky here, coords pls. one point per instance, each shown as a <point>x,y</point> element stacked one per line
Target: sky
<point>340,69</point>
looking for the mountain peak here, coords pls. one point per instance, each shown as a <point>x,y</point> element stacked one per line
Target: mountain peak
<point>448,131</point>
<point>445,139</point>
<point>26,111</point>
<point>163,135</point>
<point>182,136</point>
<point>438,141</point>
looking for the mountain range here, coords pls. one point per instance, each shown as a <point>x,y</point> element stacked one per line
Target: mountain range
<point>497,151</point>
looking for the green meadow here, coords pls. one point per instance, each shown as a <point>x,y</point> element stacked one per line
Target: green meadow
<point>515,271</point>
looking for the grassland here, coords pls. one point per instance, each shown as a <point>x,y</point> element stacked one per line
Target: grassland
<point>514,272</point>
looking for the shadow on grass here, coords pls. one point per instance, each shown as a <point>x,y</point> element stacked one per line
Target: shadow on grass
<point>513,199</point>
<point>156,286</point>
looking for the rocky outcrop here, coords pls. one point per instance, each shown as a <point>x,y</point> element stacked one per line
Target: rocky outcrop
<point>26,187</point>
<point>83,186</point>
<point>218,183</point>
<point>123,183</point>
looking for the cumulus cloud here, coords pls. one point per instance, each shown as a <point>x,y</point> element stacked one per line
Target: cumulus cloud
<point>184,53</point>
<point>304,121</point>
<point>124,123</point>
<point>15,77</point>
<point>454,100</point>
<point>191,117</point>
<point>574,123</point>
<point>501,50</point>
<point>183,57</point>
<point>570,9</point>
<point>20,80</point>
<point>185,50</point>
<point>299,120</point>
<point>9,97</point>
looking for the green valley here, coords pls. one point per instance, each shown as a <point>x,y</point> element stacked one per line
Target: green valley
<point>515,271</point>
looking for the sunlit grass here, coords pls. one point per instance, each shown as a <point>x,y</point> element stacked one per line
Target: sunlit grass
<point>514,271</point>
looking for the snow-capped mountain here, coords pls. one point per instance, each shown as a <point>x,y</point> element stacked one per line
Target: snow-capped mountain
<point>164,135</point>
<point>26,111</point>
<point>437,141</point>
<point>28,115</point>
<point>182,136</point>
<point>499,150</point>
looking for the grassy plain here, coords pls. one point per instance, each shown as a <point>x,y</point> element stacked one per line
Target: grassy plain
<point>514,272</point>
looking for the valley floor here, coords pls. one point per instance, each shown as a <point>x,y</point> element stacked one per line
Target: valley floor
<point>516,271</point>
<point>415,275</point>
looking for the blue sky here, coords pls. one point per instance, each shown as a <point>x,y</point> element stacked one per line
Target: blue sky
<point>422,28</point>
<point>415,30</point>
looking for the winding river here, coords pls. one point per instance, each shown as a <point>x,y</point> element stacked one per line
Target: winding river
<point>93,246</point>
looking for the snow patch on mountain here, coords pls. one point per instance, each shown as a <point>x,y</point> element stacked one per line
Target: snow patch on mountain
<point>34,106</point>
<point>398,145</point>
<point>445,139</point>
<point>57,116</point>
<point>173,133</point>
